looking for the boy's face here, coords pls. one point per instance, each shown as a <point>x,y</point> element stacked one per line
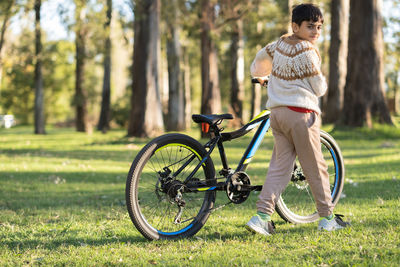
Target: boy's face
<point>308,30</point>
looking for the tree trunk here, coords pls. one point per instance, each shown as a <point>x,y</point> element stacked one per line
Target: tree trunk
<point>256,93</point>
<point>337,60</point>
<point>39,91</point>
<point>7,15</point>
<point>379,107</point>
<point>82,120</point>
<point>187,89</point>
<point>104,121</point>
<point>176,99</point>
<point>364,97</point>
<point>286,6</point>
<point>146,113</point>
<point>237,73</point>
<point>211,96</point>
<point>289,11</point>
<point>396,94</point>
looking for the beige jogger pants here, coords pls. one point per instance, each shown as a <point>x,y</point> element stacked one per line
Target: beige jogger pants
<point>296,133</point>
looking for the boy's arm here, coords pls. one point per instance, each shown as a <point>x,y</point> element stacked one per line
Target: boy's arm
<point>262,63</point>
<point>315,76</point>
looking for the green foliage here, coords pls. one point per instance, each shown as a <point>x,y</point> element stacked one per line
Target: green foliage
<point>17,88</point>
<point>64,205</point>
<point>120,110</point>
<point>59,80</point>
<point>17,93</point>
<point>58,68</point>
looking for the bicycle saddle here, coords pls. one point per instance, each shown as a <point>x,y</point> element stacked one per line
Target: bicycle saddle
<point>210,119</point>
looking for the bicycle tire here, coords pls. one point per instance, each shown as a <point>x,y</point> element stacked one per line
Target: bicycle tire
<point>153,211</point>
<point>296,204</point>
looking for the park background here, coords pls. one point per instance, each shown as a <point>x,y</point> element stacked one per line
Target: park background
<point>88,82</point>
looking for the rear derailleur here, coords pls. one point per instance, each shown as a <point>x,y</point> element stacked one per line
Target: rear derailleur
<point>173,189</point>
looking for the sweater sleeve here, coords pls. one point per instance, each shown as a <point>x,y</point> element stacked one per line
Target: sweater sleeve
<point>315,76</point>
<point>262,63</point>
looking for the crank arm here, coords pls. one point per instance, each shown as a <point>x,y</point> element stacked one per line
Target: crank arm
<point>246,188</point>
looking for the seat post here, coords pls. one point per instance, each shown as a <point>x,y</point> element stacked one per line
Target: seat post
<point>215,136</point>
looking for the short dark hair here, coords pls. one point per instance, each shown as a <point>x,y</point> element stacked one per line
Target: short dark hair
<point>306,12</point>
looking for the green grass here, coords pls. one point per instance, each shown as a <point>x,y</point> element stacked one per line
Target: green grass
<point>62,203</point>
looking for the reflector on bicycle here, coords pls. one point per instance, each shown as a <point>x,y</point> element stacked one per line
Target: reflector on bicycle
<point>205,127</point>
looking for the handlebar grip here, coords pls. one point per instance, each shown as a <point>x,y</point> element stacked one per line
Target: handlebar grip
<point>254,80</point>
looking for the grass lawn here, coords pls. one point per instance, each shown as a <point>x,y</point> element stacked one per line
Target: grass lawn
<point>62,203</point>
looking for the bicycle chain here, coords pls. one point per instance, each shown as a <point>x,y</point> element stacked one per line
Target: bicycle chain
<point>219,207</point>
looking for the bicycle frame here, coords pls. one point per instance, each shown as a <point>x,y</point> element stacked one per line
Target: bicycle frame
<point>257,138</point>
<point>262,121</point>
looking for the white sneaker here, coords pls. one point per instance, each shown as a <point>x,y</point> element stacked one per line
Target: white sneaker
<point>258,225</point>
<point>333,224</point>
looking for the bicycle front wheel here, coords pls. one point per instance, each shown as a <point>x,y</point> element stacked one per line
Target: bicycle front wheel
<point>158,202</point>
<point>296,204</point>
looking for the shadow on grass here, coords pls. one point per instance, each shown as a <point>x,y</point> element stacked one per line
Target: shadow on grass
<point>67,199</point>
<point>87,155</point>
<point>368,169</point>
<point>30,180</point>
<point>371,190</point>
<point>71,241</point>
<point>364,133</point>
<point>370,155</point>
<point>123,141</point>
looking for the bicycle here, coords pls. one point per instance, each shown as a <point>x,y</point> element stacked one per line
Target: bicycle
<point>172,184</point>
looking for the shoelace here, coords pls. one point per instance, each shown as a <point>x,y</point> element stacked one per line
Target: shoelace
<point>273,224</point>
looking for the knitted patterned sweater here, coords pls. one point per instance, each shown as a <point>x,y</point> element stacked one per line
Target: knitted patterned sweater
<point>294,67</point>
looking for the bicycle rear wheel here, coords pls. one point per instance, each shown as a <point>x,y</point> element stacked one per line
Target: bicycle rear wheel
<point>157,200</point>
<point>296,204</point>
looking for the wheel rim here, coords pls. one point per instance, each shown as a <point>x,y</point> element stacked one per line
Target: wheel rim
<point>157,208</point>
<point>297,199</point>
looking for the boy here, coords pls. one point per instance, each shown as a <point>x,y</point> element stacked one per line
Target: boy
<point>294,86</point>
